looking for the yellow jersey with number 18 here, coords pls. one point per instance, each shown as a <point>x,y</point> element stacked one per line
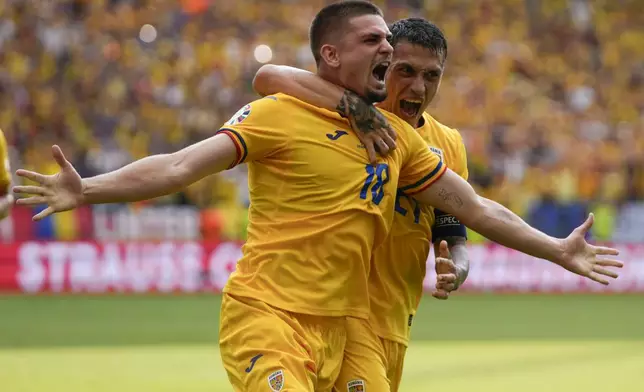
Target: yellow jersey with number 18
<point>5,174</point>
<point>317,207</point>
<point>398,270</point>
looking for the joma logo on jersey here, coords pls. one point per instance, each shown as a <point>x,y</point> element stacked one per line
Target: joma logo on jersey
<point>355,386</point>
<point>337,135</point>
<point>436,151</point>
<point>253,360</point>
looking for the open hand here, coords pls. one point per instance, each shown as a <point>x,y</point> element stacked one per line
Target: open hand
<point>60,192</point>
<point>583,259</point>
<point>446,273</point>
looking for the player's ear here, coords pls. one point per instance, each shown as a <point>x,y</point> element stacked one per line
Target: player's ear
<point>330,55</point>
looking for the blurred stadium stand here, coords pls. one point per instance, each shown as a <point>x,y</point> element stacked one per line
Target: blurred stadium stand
<point>553,92</point>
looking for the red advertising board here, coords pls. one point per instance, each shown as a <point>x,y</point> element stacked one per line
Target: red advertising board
<point>144,267</point>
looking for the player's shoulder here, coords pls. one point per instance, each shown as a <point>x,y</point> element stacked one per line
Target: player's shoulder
<point>405,132</point>
<point>441,130</point>
<point>276,109</point>
<point>272,109</point>
<point>396,122</point>
<point>306,108</point>
<point>433,122</point>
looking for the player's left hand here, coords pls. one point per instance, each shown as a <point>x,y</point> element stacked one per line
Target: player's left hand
<point>446,273</point>
<point>584,259</point>
<point>372,128</point>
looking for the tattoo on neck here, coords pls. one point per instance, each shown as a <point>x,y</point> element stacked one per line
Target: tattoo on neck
<point>363,116</point>
<point>450,198</point>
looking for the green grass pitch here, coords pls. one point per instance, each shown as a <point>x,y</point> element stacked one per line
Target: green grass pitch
<point>469,343</point>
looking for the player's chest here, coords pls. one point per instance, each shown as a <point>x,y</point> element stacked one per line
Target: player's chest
<point>336,159</point>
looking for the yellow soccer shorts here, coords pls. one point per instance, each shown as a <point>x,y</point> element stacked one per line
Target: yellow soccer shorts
<point>268,349</point>
<point>370,363</point>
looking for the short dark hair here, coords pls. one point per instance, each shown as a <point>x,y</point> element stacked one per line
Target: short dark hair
<point>332,19</point>
<point>421,32</point>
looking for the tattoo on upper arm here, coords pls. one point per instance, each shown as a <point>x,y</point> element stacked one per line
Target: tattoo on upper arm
<point>450,198</point>
<point>363,116</point>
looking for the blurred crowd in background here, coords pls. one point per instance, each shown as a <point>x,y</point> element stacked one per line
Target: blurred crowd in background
<point>548,94</point>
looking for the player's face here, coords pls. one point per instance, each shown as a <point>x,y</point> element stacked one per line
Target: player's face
<point>413,79</point>
<point>365,54</point>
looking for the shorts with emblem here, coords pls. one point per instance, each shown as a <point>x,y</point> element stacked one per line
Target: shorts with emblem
<point>264,348</point>
<point>370,363</point>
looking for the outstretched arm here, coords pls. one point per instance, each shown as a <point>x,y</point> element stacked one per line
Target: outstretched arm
<point>452,194</point>
<point>160,175</point>
<point>147,178</point>
<point>370,125</point>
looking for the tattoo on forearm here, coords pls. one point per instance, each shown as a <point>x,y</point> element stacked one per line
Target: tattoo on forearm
<point>450,198</point>
<point>363,116</point>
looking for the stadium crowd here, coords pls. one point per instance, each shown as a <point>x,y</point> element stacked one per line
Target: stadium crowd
<point>548,94</point>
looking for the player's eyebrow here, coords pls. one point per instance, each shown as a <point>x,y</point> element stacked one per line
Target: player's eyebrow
<point>407,64</point>
<point>438,69</point>
<point>377,35</point>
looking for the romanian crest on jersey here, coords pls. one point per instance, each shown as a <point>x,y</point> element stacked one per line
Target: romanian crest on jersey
<point>276,381</point>
<point>239,116</point>
<point>355,386</point>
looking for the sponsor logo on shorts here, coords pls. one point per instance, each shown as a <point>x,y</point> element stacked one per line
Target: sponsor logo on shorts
<point>356,386</point>
<point>411,320</point>
<point>276,381</point>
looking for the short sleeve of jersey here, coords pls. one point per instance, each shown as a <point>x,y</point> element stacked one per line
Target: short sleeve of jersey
<point>5,175</point>
<point>421,167</point>
<point>446,225</point>
<point>462,160</point>
<point>257,129</point>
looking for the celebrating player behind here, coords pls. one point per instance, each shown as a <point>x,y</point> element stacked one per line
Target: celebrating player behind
<point>318,208</point>
<point>6,198</point>
<point>398,268</point>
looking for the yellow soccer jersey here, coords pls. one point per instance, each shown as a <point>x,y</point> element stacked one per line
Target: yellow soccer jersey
<point>398,269</point>
<point>5,174</point>
<point>317,207</point>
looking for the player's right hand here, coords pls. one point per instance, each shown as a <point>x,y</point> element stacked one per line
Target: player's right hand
<point>60,192</point>
<point>446,273</point>
<point>373,130</point>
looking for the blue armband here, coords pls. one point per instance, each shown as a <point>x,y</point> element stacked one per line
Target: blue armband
<point>446,225</point>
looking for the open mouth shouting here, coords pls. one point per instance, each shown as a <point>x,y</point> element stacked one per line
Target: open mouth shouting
<point>378,72</point>
<point>410,107</point>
